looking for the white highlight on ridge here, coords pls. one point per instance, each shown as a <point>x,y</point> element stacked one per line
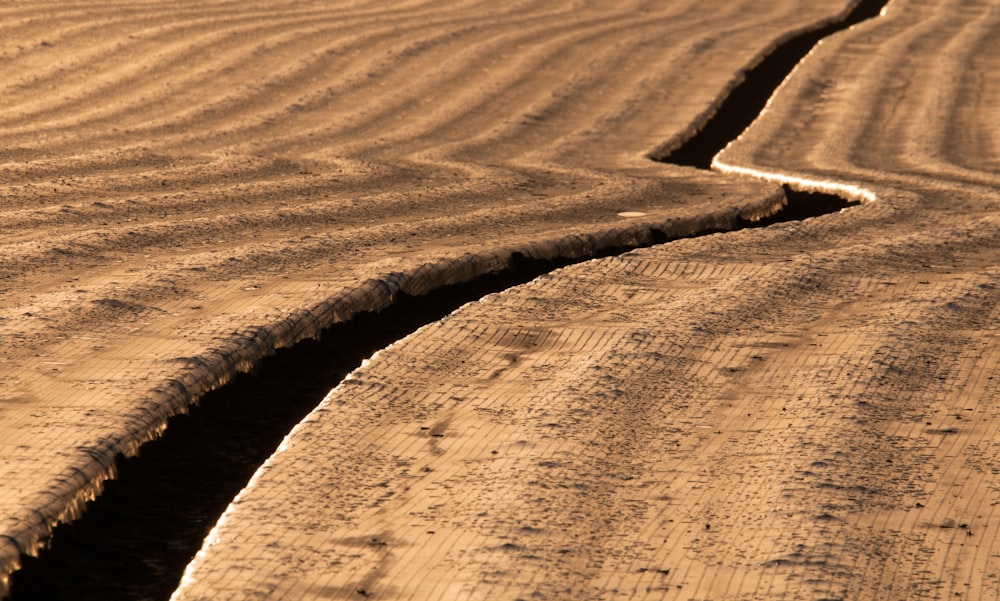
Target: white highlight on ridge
<point>805,184</point>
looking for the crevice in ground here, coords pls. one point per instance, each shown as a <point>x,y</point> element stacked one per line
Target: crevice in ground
<point>134,541</point>
<point>746,101</point>
<point>805,205</point>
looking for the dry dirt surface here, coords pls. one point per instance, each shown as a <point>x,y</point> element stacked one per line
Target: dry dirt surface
<point>185,186</point>
<point>806,411</point>
<point>801,411</point>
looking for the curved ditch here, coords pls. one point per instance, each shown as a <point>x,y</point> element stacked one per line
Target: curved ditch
<point>748,99</point>
<point>134,541</point>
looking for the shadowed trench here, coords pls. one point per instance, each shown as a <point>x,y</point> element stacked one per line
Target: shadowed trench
<point>748,99</point>
<point>134,541</point>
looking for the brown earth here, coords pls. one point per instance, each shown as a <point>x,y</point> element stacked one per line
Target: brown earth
<point>808,411</point>
<point>742,416</point>
<point>186,186</point>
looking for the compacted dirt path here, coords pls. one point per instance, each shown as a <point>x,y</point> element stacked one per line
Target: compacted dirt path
<point>185,186</point>
<point>806,411</point>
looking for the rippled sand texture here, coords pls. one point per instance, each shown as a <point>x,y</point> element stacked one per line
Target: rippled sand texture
<point>807,411</point>
<point>186,185</point>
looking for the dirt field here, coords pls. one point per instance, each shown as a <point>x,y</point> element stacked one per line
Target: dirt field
<point>801,411</point>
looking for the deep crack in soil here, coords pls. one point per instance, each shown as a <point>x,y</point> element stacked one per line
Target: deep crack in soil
<point>748,99</point>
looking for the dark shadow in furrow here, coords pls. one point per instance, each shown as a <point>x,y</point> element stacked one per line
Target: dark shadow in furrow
<point>804,205</point>
<point>748,99</point>
<point>134,541</point>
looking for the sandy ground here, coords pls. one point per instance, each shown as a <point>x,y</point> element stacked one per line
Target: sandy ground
<point>186,186</point>
<point>808,411</point>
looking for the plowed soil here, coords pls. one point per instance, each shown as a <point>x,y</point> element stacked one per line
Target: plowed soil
<point>800,411</point>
